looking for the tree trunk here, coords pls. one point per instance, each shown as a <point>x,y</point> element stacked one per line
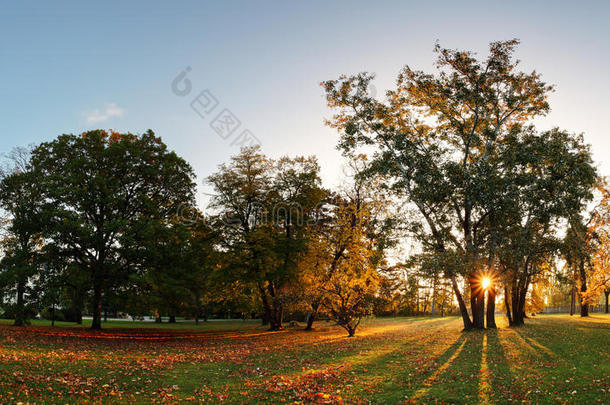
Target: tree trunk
<point>477,305</point>
<point>275,309</point>
<point>463,310</point>
<point>507,305</point>
<point>573,295</point>
<point>521,295</point>
<point>277,316</point>
<point>518,318</point>
<point>53,314</point>
<point>573,301</point>
<point>433,297</point>
<point>96,323</point>
<point>517,310</point>
<point>20,309</point>
<point>172,319</point>
<point>312,316</point>
<point>266,318</point>
<point>77,307</point>
<point>491,307</point>
<point>197,306</point>
<point>584,306</point>
<point>607,294</point>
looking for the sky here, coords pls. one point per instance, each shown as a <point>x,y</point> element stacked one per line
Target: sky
<point>68,67</point>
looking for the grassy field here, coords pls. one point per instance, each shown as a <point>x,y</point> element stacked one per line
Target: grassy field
<point>553,359</point>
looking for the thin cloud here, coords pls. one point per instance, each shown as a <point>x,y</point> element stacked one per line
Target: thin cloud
<point>111,110</point>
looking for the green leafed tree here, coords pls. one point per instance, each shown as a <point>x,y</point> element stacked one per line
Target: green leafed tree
<point>180,268</point>
<point>264,207</point>
<point>22,238</point>
<point>102,193</point>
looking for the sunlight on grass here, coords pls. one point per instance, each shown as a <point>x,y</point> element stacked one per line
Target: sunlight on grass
<point>484,385</point>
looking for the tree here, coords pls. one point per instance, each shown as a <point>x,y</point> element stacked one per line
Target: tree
<point>339,232</point>
<point>437,142</point>
<point>351,280</point>
<point>579,245</point>
<point>22,241</point>
<point>181,263</point>
<point>326,246</point>
<point>263,207</point>
<point>49,288</point>
<point>297,194</point>
<point>548,182</point>
<point>102,193</point>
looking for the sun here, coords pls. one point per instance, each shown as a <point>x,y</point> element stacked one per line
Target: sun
<point>485,282</point>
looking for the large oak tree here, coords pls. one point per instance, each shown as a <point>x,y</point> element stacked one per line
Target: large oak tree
<point>102,192</point>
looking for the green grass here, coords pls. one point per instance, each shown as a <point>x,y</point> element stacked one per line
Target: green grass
<point>553,359</point>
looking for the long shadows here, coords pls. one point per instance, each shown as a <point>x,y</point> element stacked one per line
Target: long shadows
<point>472,369</point>
<point>452,374</point>
<point>502,379</point>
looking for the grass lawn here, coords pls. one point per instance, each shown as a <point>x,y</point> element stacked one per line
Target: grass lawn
<point>553,359</point>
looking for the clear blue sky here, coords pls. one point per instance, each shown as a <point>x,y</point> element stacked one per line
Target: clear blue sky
<point>71,66</point>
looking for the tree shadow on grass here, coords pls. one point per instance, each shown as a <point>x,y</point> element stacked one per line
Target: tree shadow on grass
<point>578,348</point>
<point>502,379</point>
<point>460,381</point>
<point>479,371</point>
<point>452,376</point>
<point>567,358</point>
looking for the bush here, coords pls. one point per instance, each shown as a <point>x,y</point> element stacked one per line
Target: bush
<point>47,313</point>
